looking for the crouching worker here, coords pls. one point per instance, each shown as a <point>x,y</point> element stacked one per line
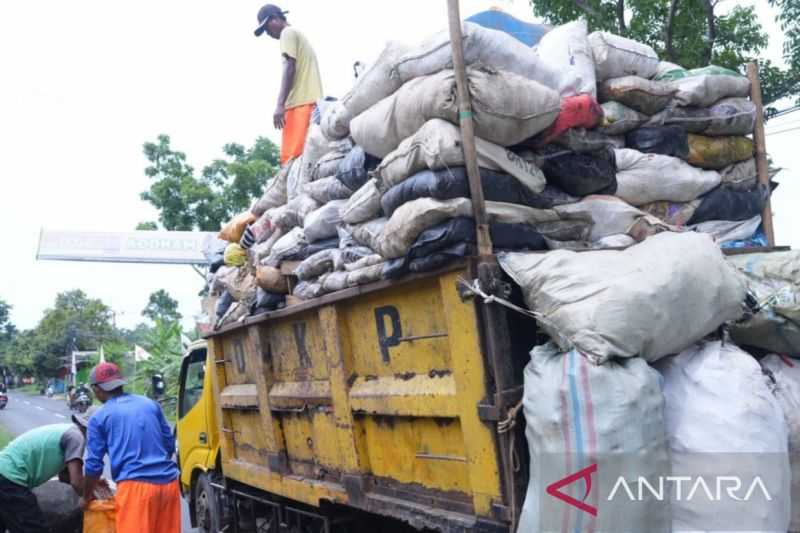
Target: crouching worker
<point>133,432</point>
<point>31,460</point>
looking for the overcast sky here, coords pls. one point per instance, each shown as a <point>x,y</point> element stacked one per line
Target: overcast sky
<point>86,83</point>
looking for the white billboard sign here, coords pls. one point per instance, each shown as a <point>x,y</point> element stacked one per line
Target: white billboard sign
<point>159,247</point>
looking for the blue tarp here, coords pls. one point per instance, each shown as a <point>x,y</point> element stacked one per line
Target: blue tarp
<point>525,32</point>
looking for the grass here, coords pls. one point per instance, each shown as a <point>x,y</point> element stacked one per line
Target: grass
<point>5,437</point>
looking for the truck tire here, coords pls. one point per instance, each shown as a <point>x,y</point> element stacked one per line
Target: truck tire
<point>207,514</point>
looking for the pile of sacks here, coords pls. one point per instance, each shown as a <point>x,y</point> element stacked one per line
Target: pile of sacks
<point>584,142</point>
<point>641,379</point>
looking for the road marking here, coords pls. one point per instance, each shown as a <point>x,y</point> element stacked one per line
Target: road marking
<point>59,415</point>
<point>39,408</point>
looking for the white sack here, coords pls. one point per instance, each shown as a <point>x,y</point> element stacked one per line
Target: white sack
<point>577,414</point>
<point>295,179</point>
<point>507,109</point>
<point>650,300</point>
<point>645,178</point>
<point>566,50</point>
<point>365,204</point>
<point>327,189</point>
<point>437,145</point>
<point>294,213</point>
<point>369,233</point>
<point>611,242</point>
<point>704,90</point>
<point>318,264</point>
<point>610,216</point>
<point>414,217</point>
<point>728,230</point>
<point>616,56</point>
<point>364,262</point>
<point>493,48</point>
<point>787,390</point>
<point>328,165</point>
<point>646,96</point>
<point>506,213</point>
<point>321,224</point>
<point>718,401</point>
<point>364,275</point>
<point>289,244</point>
<point>619,119</point>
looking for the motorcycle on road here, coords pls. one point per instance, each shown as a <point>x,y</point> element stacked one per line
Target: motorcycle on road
<point>3,400</point>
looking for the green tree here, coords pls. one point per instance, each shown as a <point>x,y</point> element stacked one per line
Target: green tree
<point>186,201</point>
<point>161,306</point>
<point>166,350</point>
<point>692,33</point>
<point>147,226</point>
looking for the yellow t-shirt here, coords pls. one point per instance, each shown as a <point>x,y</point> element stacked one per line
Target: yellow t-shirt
<point>307,87</point>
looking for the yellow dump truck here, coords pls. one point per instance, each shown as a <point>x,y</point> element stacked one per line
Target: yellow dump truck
<point>378,408</point>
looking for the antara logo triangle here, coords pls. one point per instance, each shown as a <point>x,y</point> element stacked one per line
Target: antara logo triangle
<point>586,475</point>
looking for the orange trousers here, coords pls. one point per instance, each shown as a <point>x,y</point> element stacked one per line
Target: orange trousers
<point>298,119</point>
<point>148,507</point>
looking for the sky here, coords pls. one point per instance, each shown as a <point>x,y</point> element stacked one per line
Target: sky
<point>86,83</point>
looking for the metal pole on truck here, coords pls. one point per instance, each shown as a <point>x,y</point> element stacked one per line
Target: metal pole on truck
<point>761,148</point>
<point>468,134</point>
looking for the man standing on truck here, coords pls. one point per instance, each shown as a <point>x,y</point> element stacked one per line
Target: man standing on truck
<point>301,84</point>
<point>132,430</point>
<point>31,460</point>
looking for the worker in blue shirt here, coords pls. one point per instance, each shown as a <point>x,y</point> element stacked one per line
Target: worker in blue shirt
<point>133,432</point>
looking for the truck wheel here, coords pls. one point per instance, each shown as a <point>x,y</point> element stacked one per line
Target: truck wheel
<point>207,512</point>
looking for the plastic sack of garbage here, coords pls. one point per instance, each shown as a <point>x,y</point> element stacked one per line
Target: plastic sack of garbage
<point>321,223</point>
<point>727,204</point>
<point>740,176</point>
<point>240,283</point>
<point>365,204</point>
<point>270,279</point>
<point>619,119</point>
<point>675,214</point>
<point>616,56</point>
<point>412,218</point>
<point>703,87</point>
<point>566,50</point>
<point>294,213</point>
<point>786,374</point>
<point>327,190</point>
<point>376,83</point>
<point>334,281</point>
<point>267,301</point>
<point>774,280</point>
<point>328,165</point>
<point>507,109</point>
<point>363,262</point>
<point>452,183</point>
<point>314,149</point>
<point>437,145</point>
<point>611,216</point>
<point>726,232</point>
<point>364,275</point>
<point>691,119</point>
<point>578,414</point>
<point>355,168</point>
<point>580,174</point>
<point>275,192</point>
<point>368,234</point>
<point>646,96</point>
<point>492,48</point>
<point>290,243</point>
<point>318,264</point>
<point>308,290</point>
<point>223,305</point>
<point>581,140</point>
<point>100,516</point>
<point>646,178</point>
<point>666,293</point>
<point>613,242</point>
<point>232,231</point>
<point>310,249</point>
<point>665,140</point>
<point>718,152</point>
<point>722,418</point>
<point>581,111</point>
<point>732,116</point>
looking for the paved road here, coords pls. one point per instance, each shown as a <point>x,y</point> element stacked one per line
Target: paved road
<point>25,412</point>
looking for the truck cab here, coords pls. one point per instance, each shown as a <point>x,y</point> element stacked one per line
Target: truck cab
<point>198,437</point>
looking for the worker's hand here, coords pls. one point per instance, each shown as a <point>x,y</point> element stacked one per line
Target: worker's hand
<point>279,117</point>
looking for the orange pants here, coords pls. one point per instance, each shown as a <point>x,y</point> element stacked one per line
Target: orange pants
<point>148,507</point>
<point>298,119</point>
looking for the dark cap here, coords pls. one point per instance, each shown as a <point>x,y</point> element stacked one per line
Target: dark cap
<point>107,376</point>
<point>265,13</point>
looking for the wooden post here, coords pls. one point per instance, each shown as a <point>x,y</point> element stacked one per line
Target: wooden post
<point>468,134</point>
<point>761,148</point>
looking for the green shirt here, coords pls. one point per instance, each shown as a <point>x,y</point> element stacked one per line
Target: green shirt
<point>40,454</point>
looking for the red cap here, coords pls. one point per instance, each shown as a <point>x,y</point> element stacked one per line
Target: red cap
<point>107,376</point>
